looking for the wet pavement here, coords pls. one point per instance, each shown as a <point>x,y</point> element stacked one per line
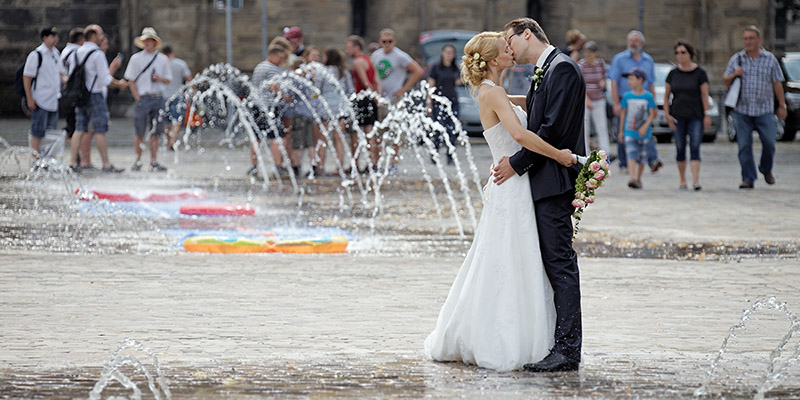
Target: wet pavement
<point>665,275</point>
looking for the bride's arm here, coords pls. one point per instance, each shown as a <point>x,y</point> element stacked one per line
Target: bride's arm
<point>498,102</point>
<point>518,100</point>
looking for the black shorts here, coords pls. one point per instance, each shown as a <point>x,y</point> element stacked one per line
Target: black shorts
<point>274,128</point>
<point>366,111</point>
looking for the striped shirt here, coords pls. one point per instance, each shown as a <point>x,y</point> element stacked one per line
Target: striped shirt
<point>756,97</point>
<point>593,74</point>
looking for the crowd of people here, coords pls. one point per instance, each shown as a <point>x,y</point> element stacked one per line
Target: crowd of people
<point>154,74</point>
<point>685,104</point>
<point>386,72</point>
<point>76,82</point>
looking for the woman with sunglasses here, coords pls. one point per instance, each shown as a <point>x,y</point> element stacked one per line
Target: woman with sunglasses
<point>687,113</point>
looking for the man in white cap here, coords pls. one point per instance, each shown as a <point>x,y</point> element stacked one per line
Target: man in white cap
<point>148,73</point>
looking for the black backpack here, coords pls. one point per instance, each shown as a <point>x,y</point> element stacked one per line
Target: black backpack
<point>75,93</point>
<point>19,83</point>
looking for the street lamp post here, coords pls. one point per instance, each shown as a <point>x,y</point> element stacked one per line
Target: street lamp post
<point>228,34</point>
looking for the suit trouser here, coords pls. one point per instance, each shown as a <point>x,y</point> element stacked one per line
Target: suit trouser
<point>554,223</point>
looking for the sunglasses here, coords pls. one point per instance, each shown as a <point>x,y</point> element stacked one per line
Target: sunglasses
<point>387,41</point>
<point>681,52</point>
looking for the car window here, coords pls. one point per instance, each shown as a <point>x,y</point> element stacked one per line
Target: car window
<point>792,66</point>
<point>432,49</point>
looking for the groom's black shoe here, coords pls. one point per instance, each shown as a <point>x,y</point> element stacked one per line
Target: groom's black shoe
<point>554,362</point>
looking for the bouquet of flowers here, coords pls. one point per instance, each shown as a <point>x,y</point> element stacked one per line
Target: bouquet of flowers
<point>594,173</point>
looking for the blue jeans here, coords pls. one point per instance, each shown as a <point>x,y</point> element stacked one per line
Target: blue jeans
<point>652,151</point>
<point>692,127</point>
<point>42,120</point>
<point>765,125</point>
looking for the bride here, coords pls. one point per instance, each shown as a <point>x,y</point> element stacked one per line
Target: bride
<point>499,313</point>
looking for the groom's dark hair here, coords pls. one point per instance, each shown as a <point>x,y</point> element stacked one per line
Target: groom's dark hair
<point>520,24</point>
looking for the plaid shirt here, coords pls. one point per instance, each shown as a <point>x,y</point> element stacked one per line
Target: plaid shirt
<point>756,96</point>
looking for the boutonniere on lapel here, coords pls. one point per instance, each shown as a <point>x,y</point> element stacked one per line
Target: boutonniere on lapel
<point>538,76</point>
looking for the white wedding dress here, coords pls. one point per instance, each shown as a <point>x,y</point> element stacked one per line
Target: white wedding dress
<point>499,313</point>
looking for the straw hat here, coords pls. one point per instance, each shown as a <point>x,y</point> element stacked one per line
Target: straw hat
<point>147,33</point>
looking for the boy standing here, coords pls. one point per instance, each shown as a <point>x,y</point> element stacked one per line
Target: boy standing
<point>638,112</point>
<point>42,80</point>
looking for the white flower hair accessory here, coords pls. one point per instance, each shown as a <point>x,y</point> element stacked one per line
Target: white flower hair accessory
<point>476,56</point>
<point>483,64</point>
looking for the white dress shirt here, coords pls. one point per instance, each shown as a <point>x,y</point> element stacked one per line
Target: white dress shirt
<point>96,68</point>
<point>46,89</point>
<point>69,51</point>
<point>545,54</point>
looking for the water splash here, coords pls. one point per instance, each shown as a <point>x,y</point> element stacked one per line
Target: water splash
<point>226,97</point>
<point>772,375</point>
<point>112,372</point>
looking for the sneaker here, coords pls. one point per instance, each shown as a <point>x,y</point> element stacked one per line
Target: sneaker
<point>253,171</point>
<point>156,167</point>
<point>89,168</point>
<point>75,169</point>
<point>112,169</point>
<point>296,171</point>
<point>656,166</point>
<point>137,166</point>
<point>282,171</point>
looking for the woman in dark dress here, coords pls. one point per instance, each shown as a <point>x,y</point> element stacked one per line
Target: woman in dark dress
<point>687,112</point>
<point>445,76</point>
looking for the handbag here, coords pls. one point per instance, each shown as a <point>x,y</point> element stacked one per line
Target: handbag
<point>733,92</point>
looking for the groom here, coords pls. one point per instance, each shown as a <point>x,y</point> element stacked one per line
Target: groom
<point>555,104</point>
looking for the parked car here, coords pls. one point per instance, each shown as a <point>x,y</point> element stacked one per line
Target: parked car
<point>660,127</point>
<point>431,43</point>
<point>785,131</point>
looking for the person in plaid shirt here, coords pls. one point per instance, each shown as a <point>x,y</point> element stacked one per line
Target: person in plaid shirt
<point>761,80</point>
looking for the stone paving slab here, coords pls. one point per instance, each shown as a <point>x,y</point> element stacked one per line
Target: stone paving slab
<point>270,312</point>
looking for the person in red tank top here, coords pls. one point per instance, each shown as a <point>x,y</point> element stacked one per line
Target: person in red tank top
<point>364,77</point>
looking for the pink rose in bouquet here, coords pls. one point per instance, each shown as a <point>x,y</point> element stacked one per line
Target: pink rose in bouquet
<point>593,174</point>
<point>599,175</point>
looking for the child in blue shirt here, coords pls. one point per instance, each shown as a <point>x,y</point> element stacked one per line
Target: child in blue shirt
<point>638,112</point>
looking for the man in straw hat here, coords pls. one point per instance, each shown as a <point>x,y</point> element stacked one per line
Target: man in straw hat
<point>148,73</point>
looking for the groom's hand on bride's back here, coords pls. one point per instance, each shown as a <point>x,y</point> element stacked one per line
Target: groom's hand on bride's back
<point>502,171</point>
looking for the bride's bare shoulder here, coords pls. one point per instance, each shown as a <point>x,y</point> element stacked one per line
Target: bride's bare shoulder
<point>491,94</point>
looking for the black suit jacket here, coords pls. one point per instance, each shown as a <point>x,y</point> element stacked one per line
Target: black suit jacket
<point>555,113</point>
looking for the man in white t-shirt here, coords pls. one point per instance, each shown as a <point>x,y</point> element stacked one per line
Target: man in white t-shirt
<point>41,77</point>
<point>180,75</point>
<point>393,66</point>
<point>148,75</point>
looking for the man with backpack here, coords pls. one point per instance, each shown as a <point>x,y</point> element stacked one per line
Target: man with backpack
<point>69,57</point>
<point>41,77</point>
<point>148,73</point>
<point>93,67</point>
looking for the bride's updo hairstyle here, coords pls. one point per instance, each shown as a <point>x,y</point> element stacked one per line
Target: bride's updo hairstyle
<point>481,49</point>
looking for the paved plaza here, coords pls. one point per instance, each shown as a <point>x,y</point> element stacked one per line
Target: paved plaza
<point>665,275</point>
